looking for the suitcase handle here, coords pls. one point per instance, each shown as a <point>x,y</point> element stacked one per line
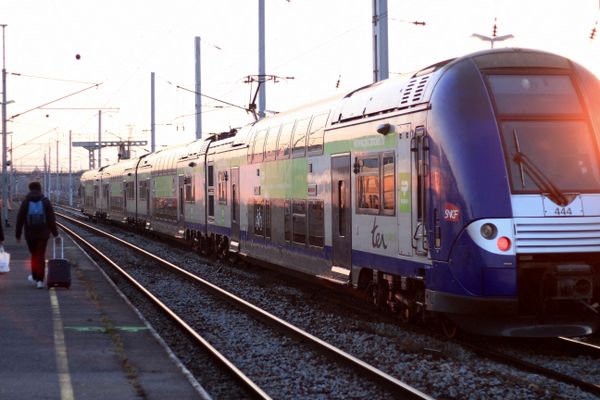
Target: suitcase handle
<point>62,247</point>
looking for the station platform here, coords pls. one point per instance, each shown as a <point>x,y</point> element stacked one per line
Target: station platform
<point>86,342</point>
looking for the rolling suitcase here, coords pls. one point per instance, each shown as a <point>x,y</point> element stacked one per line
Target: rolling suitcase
<point>58,269</point>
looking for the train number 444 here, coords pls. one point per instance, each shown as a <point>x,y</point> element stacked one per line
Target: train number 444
<point>563,211</point>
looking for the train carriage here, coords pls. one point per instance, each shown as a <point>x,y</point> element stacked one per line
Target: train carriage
<point>164,214</point>
<point>87,192</point>
<point>468,191</point>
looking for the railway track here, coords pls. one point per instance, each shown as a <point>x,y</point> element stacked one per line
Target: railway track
<point>563,347</point>
<point>322,351</point>
<point>411,353</point>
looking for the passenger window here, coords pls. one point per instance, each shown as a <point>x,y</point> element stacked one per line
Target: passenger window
<point>287,220</point>
<point>299,221</point>
<point>222,187</point>
<point>284,141</point>
<point>368,186</point>
<point>259,146</point>
<point>189,189</point>
<point>389,186</point>
<point>271,143</point>
<point>259,218</point>
<point>251,146</point>
<point>316,135</point>
<point>375,184</point>
<point>315,223</point>
<point>299,146</point>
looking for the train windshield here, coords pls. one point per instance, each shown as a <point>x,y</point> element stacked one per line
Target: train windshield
<point>546,134</point>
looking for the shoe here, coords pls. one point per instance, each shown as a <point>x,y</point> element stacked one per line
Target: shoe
<point>30,279</point>
<point>40,285</point>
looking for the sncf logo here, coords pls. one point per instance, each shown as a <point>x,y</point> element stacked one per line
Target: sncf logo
<point>451,213</point>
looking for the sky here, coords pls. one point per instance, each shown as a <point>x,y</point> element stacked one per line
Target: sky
<point>324,45</point>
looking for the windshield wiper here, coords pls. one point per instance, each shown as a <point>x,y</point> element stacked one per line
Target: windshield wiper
<point>537,176</point>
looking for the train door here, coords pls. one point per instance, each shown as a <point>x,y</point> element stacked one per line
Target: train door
<point>106,197</point>
<point>404,190</point>
<point>124,187</point>
<point>341,212</point>
<point>235,209</point>
<point>420,150</point>
<point>181,185</point>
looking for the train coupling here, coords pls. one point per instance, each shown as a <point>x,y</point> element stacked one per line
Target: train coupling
<point>573,281</point>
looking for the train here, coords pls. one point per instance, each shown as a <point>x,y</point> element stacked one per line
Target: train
<point>467,192</point>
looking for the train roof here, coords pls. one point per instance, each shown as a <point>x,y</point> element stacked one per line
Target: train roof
<point>408,92</point>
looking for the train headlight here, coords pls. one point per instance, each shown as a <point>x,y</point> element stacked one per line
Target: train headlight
<point>503,243</point>
<point>489,231</point>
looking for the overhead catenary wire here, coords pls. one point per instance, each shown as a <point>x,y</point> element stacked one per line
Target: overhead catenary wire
<point>95,85</point>
<point>50,79</point>
<point>212,98</point>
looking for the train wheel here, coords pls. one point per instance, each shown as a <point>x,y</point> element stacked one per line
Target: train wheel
<point>378,295</point>
<point>205,246</point>
<point>450,328</point>
<point>407,314</point>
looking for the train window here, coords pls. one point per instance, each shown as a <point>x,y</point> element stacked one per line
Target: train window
<point>258,151</point>
<point>252,135</point>
<point>142,190</point>
<point>211,207</point>
<point>210,191</point>
<point>341,208</point>
<point>211,176</point>
<point>287,220</point>
<point>129,190</point>
<point>259,218</point>
<point>316,135</point>
<point>534,94</point>
<point>375,184</point>
<point>271,143</point>
<point>222,187</point>
<point>299,221</point>
<point>284,141</point>
<point>165,207</point>
<point>267,218</point>
<point>389,187</point>
<point>368,185</point>
<point>315,223</point>
<point>537,148</point>
<point>299,140</point>
<point>188,189</point>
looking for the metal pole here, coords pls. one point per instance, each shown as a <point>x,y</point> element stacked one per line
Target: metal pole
<point>45,175</point>
<point>49,170</point>
<point>99,138</point>
<point>380,40</point>
<point>70,171</point>
<point>198,91</point>
<point>4,174</point>
<point>152,121</point>
<point>11,181</point>
<point>57,179</point>
<point>262,92</point>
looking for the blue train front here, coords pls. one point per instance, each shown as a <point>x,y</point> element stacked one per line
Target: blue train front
<point>513,198</point>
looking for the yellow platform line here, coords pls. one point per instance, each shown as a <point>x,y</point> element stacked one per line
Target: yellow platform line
<point>64,377</point>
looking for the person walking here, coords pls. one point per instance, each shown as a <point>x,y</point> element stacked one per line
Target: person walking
<point>36,215</point>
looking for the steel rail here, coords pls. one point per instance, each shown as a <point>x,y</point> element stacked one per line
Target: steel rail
<point>397,385</point>
<point>249,385</point>
<point>531,367</point>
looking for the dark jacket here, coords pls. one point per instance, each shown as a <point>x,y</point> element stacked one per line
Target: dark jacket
<point>37,232</point>
<point>1,230</point>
